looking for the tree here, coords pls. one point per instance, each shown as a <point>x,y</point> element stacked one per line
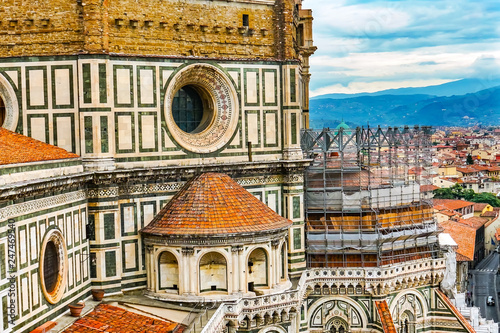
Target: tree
<point>469,194</point>
<point>443,193</point>
<point>488,198</point>
<point>469,159</point>
<point>454,192</point>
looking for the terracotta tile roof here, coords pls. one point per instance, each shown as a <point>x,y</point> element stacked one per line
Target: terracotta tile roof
<point>468,327</point>
<point>461,258</point>
<point>428,188</point>
<point>463,235</point>
<point>214,204</point>
<point>479,206</point>
<point>467,170</point>
<point>497,234</point>
<point>490,214</point>
<point>108,318</point>
<point>385,317</point>
<point>452,204</point>
<point>447,212</point>
<point>17,148</point>
<point>475,222</point>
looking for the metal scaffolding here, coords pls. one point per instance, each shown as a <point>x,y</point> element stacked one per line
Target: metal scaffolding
<point>364,204</point>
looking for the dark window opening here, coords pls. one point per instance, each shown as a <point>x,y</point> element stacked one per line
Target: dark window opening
<point>246,20</point>
<point>300,35</point>
<point>50,267</point>
<point>2,112</point>
<point>93,265</point>
<point>90,227</point>
<point>187,109</point>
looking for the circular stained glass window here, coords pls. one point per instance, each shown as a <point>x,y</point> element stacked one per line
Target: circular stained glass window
<point>191,109</point>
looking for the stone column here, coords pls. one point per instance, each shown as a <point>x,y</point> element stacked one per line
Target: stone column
<point>151,269</point>
<point>237,269</point>
<point>295,322</point>
<point>188,274</point>
<point>242,270</point>
<point>275,263</point>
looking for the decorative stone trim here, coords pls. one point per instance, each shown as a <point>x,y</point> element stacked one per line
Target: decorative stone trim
<point>294,178</point>
<point>188,250</point>
<point>37,205</point>
<point>260,180</point>
<point>151,188</point>
<point>8,95</point>
<point>224,101</point>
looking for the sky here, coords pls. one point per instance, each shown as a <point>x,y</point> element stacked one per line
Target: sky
<point>367,46</point>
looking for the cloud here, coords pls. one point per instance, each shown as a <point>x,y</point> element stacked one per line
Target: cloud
<point>486,66</point>
<point>359,87</point>
<point>365,43</point>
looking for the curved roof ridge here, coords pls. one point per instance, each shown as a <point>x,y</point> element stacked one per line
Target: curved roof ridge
<point>214,204</point>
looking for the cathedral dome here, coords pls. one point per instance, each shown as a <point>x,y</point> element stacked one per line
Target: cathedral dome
<point>213,204</point>
<point>346,129</point>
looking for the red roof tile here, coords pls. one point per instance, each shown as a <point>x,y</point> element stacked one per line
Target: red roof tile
<point>214,204</point>
<point>452,204</point>
<point>475,222</point>
<point>461,258</point>
<point>17,148</point>
<point>385,317</point>
<point>479,206</point>
<point>428,188</point>
<point>108,318</point>
<point>463,235</point>
<point>489,214</point>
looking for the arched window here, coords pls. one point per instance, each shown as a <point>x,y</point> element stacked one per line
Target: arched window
<point>337,325</point>
<point>257,269</point>
<point>2,111</point>
<point>213,273</point>
<point>168,271</point>
<point>407,323</point>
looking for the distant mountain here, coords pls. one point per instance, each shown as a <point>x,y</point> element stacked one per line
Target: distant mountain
<point>480,107</point>
<point>459,87</point>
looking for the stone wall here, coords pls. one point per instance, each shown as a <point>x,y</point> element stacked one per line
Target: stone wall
<point>211,29</point>
<point>34,28</point>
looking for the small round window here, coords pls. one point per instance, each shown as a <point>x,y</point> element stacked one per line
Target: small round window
<point>53,266</point>
<point>191,109</point>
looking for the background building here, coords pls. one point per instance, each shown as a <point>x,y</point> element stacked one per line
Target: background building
<point>146,96</point>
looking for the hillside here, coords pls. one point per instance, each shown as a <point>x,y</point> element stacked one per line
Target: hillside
<point>482,107</point>
<point>459,87</point>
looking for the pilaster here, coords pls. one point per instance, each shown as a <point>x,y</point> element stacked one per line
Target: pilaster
<point>293,195</point>
<point>190,272</point>
<point>104,237</point>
